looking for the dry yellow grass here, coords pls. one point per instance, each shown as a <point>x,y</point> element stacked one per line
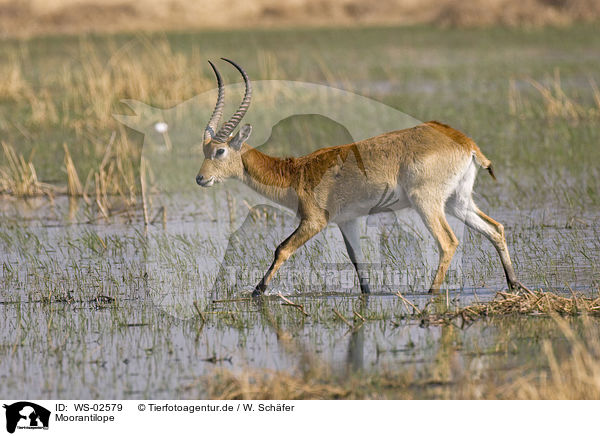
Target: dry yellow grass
<point>19,178</point>
<point>114,181</point>
<point>578,377</point>
<point>531,303</point>
<point>74,188</point>
<point>556,103</point>
<point>529,13</point>
<point>27,17</point>
<point>265,385</point>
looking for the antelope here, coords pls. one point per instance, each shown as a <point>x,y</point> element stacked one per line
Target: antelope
<point>430,167</point>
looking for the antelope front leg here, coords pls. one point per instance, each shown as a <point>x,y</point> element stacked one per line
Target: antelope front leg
<point>306,230</point>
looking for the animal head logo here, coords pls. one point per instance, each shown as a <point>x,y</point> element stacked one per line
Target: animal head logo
<point>188,135</point>
<point>24,414</point>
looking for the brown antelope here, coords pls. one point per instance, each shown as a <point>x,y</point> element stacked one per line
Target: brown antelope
<point>430,168</point>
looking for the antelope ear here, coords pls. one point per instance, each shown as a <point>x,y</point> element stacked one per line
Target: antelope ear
<point>241,137</point>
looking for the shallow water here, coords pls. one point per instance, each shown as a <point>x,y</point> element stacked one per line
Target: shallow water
<point>102,309</point>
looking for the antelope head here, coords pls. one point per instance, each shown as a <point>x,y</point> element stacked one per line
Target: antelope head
<point>222,150</point>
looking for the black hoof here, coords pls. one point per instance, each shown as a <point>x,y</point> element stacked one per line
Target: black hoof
<point>258,291</point>
<point>518,286</point>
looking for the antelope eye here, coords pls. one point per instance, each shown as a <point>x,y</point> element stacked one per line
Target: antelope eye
<point>220,151</point>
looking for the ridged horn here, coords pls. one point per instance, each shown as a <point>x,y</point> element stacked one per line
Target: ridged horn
<point>233,122</point>
<point>215,118</point>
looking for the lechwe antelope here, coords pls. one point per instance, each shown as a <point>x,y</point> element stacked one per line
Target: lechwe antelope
<point>430,167</point>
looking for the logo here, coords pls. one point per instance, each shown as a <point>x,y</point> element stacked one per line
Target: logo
<point>26,415</point>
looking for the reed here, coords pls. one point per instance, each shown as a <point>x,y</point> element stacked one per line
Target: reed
<point>556,103</point>
<point>74,188</point>
<point>19,178</point>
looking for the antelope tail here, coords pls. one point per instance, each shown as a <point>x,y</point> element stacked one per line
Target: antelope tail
<point>483,161</point>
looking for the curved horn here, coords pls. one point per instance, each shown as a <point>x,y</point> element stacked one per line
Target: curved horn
<point>213,123</point>
<point>228,127</point>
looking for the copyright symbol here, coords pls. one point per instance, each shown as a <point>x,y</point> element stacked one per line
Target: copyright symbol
<point>141,407</point>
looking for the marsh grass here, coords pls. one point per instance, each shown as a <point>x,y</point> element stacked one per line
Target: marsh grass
<point>75,105</point>
<point>51,97</point>
<point>77,297</point>
<point>113,185</point>
<point>19,178</point>
<point>556,103</point>
<point>74,188</point>
<point>117,175</point>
